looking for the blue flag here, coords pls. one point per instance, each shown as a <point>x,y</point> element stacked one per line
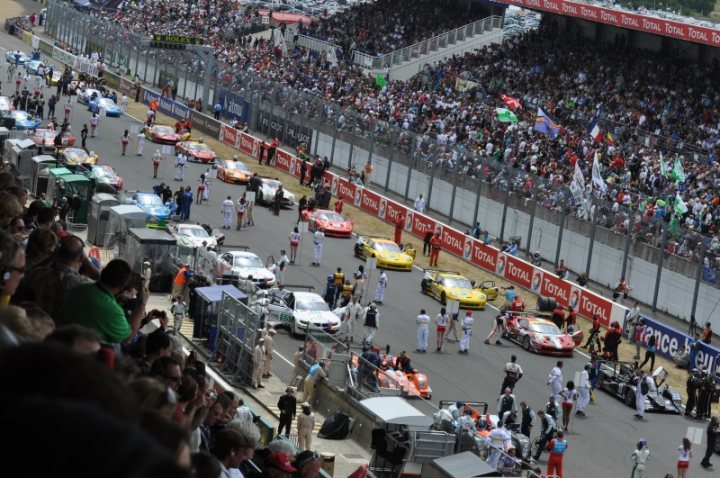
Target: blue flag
<point>543,124</point>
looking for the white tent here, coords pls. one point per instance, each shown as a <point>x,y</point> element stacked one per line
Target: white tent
<point>397,411</point>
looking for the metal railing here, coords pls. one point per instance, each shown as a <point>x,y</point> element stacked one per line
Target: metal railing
<point>429,45</point>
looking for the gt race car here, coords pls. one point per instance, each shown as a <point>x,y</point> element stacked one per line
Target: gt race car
<point>329,222</point>
<point>300,310</point>
<point>386,252</point>
<point>446,285</point>
<point>540,335</point>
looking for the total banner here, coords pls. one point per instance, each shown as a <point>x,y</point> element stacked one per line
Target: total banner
<point>623,19</point>
<point>669,341</point>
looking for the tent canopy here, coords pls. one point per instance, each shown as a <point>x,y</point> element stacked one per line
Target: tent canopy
<point>215,293</point>
<point>397,411</point>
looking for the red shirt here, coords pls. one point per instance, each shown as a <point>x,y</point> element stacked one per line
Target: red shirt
<point>436,243</point>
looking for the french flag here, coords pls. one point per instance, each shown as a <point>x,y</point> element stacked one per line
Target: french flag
<point>594,131</point>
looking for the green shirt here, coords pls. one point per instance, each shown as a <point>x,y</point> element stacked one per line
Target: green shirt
<point>94,307</point>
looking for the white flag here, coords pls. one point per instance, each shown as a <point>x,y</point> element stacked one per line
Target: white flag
<point>578,184</point>
<point>596,176</point>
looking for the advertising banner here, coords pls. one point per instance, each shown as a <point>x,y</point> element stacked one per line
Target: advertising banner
<point>168,106</point>
<point>483,256</point>
<point>233,106</point>
<point>126,86</point>
<point>370,202</point>
<point>669,341</point>
<point>283,161</point>
<point>591,304</point>
<point>62,56</point>
<point>453,241</point>
<point>203,122</point>
<point>622,19</point>
<point>230,136</point>
<point>249,144</point>
<point>518,271</point>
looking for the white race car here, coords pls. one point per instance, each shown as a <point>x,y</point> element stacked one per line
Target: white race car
<point>300,310</point>
<point>192,235</point>
<point>267,190</point>
<point>243,264</point>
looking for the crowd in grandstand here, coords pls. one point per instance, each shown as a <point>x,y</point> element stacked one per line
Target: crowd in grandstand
<point>384,26</point>
<point>650,102</point>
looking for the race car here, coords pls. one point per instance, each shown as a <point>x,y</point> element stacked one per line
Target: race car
<point>18,57</point>
<point>6,104</point>
<point>73,157</point>
<point>267,190</point>
<point>619,379</point>
<point>415,382</point>
<point>157,212</point>
<point>192,235</point>
<point>106,175</point>
<point>162,134</point>
<point>45,138</point>
<point>236,265</point>
<point>32,66</point>
<point>446,285</point>
<point>233,172</point>
<point>329,222</point>
<point>299,310</point>
<point>539,335</point>
<point>24,120</point>
<point>111,109</point>
<point>386,252</point>
<point>88,94</point>
<point>53,76</point>
<point>196,152</point>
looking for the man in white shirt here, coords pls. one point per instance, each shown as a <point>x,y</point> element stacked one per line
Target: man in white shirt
<point>419,203</point>
<point>555,380</point>
<point>423,323</point>
<point>583,391</point>
<point>228,210</point>
<point>513,373</point>
<point>318,241</point>
<point>353,312</point>
<point>180,167</point>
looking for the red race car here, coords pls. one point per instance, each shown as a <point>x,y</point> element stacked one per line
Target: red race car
<point>540,335</point>
<point>162,134</point>
<point>196,151</point>
<point>329,222</point>
<point>107,175</point>
<point>45,138</point>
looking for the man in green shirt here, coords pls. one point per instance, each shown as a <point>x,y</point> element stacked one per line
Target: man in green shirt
<point>94,305</point>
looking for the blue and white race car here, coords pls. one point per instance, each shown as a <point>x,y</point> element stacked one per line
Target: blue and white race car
<point>88,95</point>
<point>24,120</point>
<point>33,65</point>
<point>107,104</point>
<point>157,212</point>
<point>17,57</point>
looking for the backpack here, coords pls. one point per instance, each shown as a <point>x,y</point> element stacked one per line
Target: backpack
<point>644,387</point>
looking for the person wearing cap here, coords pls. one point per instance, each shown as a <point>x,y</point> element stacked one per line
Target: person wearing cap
<point>305,426</point>
<point>147,274</point>
<point>287,404</point>
<point>318,241</point>
<point>467,324</point>
<point>268,351</point>
<point>371,322</point>
<point>258,364</point>
<point>315,374</point>
<point>180,283</point>
<point>277,465</point>
<point>457,409</point>
<point>380,289</point>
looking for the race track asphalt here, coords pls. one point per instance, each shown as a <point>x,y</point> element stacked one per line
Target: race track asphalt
<point>599,445</point>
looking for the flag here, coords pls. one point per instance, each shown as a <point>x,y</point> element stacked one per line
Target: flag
<point>504,115</point>
<point>678,173</point>
<point>578,183</point>
<point>464,85</point>
<point>594,131</point>
<point>663,166</point>
<point>543,124</point>
<point>380,80</point>
<point>610,139</point>
<point>680,206</point>
<point>597,178</point>
<point>512,103</point>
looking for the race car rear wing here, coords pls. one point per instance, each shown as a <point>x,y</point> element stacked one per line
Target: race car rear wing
<point>441,271</point>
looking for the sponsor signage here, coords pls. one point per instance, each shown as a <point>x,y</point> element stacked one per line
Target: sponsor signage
<point>62,56</point>
<point>168,106</point>
<point>126,86</point>
<point>484,256</point>
<point>271,125</point>
<point>204,123</point>
<point>288,132</point>
<point>518,271</point>
<point>453,241</point>
<point>622,19</point>
<point>591,304</point>
<point>295,135</point>
<point>113,81</point>
<point>371,202</point>
<point>419,224</point>
<point>669,341</point>
<point>46,48</point>
<point>249,144</point>
<point>345,190</point>
<point>393,212</point>
<point>177,39</point>
<point>230,136</point>
<point>283,160</point>
<point>553,286</point>
<point>233,106</point>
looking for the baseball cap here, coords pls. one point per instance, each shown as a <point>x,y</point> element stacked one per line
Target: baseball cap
<point>281,462</point>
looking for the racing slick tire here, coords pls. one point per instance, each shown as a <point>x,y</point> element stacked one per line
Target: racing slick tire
<point>546,304</point>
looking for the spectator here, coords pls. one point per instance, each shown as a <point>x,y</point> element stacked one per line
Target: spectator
<point>154,396</point>
<point>169,435</point>
<point>12,263</point>
<point>169,370</point>
<point>40,247</point>
<point>95,305</point>
<point>157,345</point>
<point>79,339</point>
<point>205,465</point>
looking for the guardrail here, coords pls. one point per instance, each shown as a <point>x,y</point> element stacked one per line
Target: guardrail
<point>429,45</point>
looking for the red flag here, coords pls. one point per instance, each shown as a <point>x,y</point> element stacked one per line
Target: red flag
<point>512,103</point>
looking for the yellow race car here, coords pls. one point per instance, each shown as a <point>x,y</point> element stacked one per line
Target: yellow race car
<point>388,254</point>
<point>445,286</point>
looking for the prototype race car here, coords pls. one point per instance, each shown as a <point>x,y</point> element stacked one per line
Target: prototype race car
<point>299,310</point>
<point>233,172</point>
<point>192,235</point>
<point>539,335</point>
<point>236,265</point>
<point>73,157</point>
<point>268,189</point>
<point>88,95</point>
<point>157,212</point>
<point>388,375</point>
<point>162,134</point>
<point>446,285</point>
<point>386,252</point>
<point>45,138</point>
<point>196,152</point>
<point>106,175</point>
<point>24,120</point>
<point>329,222</point>
<point>619,379</point>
